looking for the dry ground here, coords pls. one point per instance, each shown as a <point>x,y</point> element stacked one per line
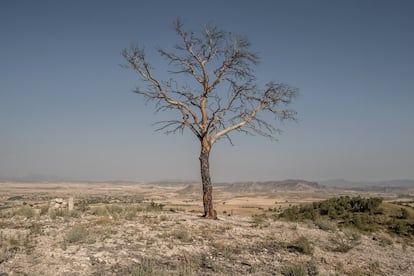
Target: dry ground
<point>130,229</point>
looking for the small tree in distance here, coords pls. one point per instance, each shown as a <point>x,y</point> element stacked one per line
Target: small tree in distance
<point>220,97</point>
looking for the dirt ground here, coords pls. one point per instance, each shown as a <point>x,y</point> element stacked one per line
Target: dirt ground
<point>154,229</point>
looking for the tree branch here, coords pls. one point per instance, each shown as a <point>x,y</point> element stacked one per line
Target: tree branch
<point>214,60</point>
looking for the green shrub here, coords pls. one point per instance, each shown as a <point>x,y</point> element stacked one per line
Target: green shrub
<point>129,212</point>
<point>155,207</point>
<point>302,245</point>
<point>333,208</point>
<point>258,219</point>
<point>35,229</point>
<point>294,270</point>
<point>82,206</point>
<point>115,210</point>
<point>76,234</point>
<point>313,269</point>
<point>325,224</point>
<point>404,214</point>
<point>183,235</point>
<point>25,211</point>
<point>54,213</point>
<point>130,215</point>
<point>383,240</point>
<point>74,214</point>
<point>6,213</point>
<point>343,242</point>
<point>99,211</point>
<point>224,250</point>
<point>79,233</point>
<point>44,209</point>
<point>364,214</point>
<point>147,267</point>
<point>61,213</point>
<point>400,228</point>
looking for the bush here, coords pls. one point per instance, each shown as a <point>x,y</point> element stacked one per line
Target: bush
<point>355,212</point>
<point>146,267</point>
<point>313,269</point>
<point>345,241</point>
<point>99,211</point>
<point>183,235</point>
<point>35,229</point>
<point>44,209</point>
<point>224,250</point>
<point>258,219</point>
<point>115,210</point>
<point>325,224</point>
<point>302,245</point>
<point>404,214</point>
<point>79,233</point>
<point>333,208</point>
<point>294,270</point>
<point>74,214</point>
<point>25,211</point>
<point>131,212</point>
<point>400,228</point>
<point>54,213</point>
<point>155,207</point>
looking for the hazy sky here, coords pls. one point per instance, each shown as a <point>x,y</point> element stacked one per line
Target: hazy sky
<point>66,106</point>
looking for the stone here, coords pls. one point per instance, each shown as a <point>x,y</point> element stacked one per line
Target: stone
<point>58,203</point>
<point>59,200</point>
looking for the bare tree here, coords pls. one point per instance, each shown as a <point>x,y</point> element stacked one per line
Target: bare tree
<point>219,95</point>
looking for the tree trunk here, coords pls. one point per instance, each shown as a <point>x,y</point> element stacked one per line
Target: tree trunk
<point>209,211</point>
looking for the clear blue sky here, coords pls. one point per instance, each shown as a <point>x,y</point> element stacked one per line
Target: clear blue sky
<point>66,108</point>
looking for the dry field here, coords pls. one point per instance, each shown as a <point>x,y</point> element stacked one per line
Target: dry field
<point>156,229</point>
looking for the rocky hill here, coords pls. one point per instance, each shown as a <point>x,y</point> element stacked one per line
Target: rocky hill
<point>273,186</point>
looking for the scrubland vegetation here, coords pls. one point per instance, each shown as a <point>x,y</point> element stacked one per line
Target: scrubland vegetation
<point>134,236</point>
<point>363,214</point>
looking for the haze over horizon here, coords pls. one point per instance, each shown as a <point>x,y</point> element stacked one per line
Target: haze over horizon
<point>42,178</point>
<point>67,110</point>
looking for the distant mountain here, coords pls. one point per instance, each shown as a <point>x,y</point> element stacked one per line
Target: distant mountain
<point>33,178</point>
<point>172,182</point>
<point>271,186</point>
<point>191,189</point>
<point>341,183</point>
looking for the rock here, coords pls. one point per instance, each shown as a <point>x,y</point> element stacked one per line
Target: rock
<point>58,203</point>
<point>59,200</point>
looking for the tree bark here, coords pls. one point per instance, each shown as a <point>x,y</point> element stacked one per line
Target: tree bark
<point>209,211</point>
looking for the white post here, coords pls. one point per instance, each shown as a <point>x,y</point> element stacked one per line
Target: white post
<point>70,203</point>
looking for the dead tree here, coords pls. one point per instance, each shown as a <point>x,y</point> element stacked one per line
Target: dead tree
<point>219,93</point>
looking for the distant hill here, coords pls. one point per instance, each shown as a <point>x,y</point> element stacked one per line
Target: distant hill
<point>191,189</point>
<point>35,178</point>
<point>271,186</point>
<point>341,183</point>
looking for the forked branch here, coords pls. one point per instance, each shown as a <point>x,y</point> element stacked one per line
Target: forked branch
<point>225,98</point>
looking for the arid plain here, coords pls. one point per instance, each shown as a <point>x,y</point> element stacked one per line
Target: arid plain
<point>121,228</point>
